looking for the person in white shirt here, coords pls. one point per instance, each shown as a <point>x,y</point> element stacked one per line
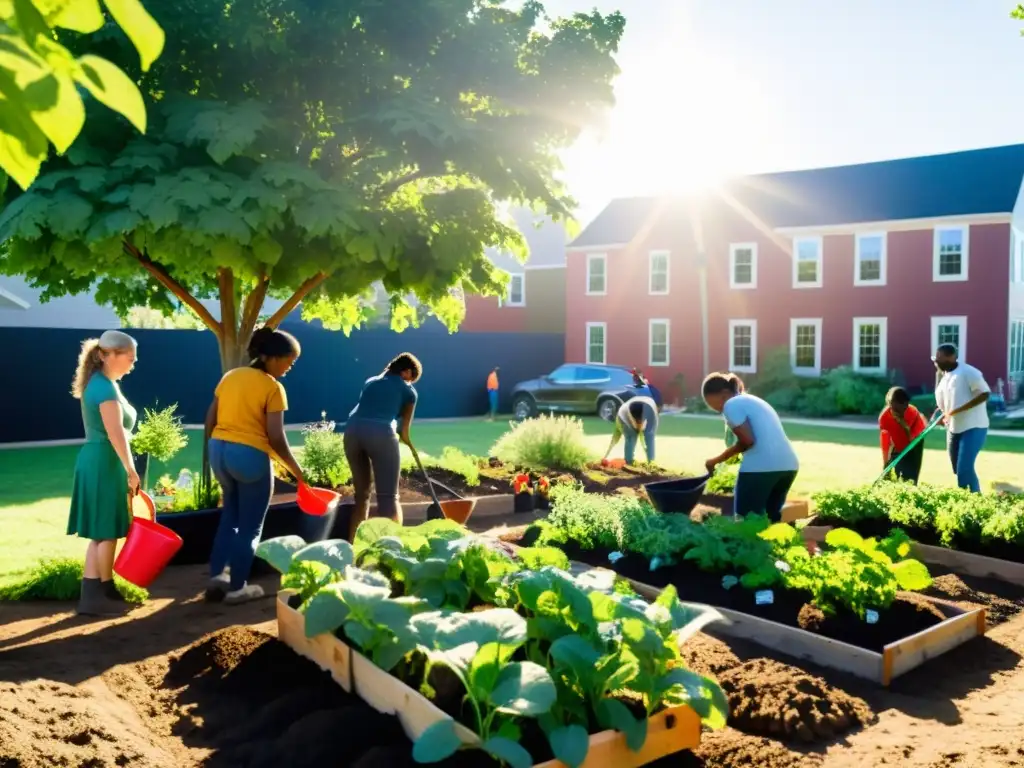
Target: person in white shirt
<point>769,464</point>
<point>961,395</point>
<point>637,416</point>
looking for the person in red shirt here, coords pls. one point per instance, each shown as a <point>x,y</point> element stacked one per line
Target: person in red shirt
<point>900,423</point>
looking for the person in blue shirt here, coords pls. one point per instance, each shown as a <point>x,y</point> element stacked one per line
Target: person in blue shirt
<point>380,419</point>
<point>769,464</point>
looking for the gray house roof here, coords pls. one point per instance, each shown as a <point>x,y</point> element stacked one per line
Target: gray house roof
<point>546,239</point>
<point>977,181</point>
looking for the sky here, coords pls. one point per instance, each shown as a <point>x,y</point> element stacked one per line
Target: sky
<point>713,88</point>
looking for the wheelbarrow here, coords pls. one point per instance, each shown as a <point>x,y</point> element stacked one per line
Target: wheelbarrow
<point>677,496</point>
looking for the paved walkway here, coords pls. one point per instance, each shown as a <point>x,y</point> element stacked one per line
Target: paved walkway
<point>836,423</point>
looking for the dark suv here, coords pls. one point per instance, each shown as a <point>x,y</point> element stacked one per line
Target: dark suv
<point>575,388</point>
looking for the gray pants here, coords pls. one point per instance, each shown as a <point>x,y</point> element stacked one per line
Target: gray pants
<point>371,448</point>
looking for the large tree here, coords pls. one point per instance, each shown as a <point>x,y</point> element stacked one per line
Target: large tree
<point>306,149</point>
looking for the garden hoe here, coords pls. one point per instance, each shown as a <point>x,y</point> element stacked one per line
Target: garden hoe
<point>936,420</point>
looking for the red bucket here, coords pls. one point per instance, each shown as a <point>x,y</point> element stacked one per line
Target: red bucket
<point>148,548</point>
<point>317,501</point>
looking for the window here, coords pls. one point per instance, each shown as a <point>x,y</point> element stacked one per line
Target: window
<point>869,261</point>
<point>596,341</point>
<point>1017,348</point>
<point>1017,257</point>
<point>657,281</point>
<point>743,346</point>
<point>743,265</point>
<point>597,274</point>
<point>950,330</point>
<point>870,344</point>
<point>807,262</point>
<point>591,376</point>
<point>657,335</point>
<point>805,346</point>
<point>950,257</point>
<point>564,374</point>
<point>516,296</point>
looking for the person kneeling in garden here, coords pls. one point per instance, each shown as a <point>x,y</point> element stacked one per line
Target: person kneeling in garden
<point>900,423</point>
<point>638,415</point>
<point>246,426</point>
<point>769,464</point>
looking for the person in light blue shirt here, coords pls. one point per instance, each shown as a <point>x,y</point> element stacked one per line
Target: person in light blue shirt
<point>769,464</point>
<point>380,419</point>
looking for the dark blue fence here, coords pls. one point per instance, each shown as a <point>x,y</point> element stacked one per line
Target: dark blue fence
<point>183,367</point>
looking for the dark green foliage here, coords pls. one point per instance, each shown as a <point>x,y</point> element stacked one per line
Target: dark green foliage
<point>61,579</point>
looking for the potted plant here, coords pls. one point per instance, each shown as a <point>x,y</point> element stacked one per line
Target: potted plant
<point>523,494</point>
<point>160,435</point>
<point>543,488</point>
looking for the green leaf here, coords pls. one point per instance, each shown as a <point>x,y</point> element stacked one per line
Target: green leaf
<point>278,552</point>
<point>844,538</point>
<point>438,742</point>
<point>335,553</point>
<point>484,670</point>
<point>145,34</point>
<point>524,688</point>
<point>326,611</point>
<point>570,744</point>
<point>577,654</point>
<point>704,696</point>
<point>82,16</point>
<point>612,713</point>
<point>507,751</point>
<point>113,88</point>
<point>912,575</point>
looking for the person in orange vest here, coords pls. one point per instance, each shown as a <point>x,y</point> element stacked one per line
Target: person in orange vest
<point>492,393</point>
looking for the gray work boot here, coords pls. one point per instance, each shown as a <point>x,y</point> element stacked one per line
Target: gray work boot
<point>93,601</point>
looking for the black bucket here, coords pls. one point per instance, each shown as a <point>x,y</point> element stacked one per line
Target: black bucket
<point>677,496</point>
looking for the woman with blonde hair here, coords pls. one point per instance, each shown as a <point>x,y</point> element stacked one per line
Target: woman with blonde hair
<point>105,476</point>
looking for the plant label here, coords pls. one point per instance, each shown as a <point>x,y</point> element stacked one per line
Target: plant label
<point>871,617</point>
<point>764,597</point>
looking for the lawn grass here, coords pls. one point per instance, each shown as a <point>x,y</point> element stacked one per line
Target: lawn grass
<point>35,482</point>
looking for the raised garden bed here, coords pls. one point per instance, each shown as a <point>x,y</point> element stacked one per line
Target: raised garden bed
<point>482,646</point>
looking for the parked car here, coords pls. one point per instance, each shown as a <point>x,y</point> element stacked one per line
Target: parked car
<point>580,389</point>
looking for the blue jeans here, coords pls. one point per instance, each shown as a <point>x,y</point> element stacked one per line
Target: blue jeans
<point>631,437</point>
<point>963,451</point>
<point>247,482</point>
<point>492,399</point>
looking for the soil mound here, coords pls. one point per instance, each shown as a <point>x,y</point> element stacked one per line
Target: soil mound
<point>769,698</point>
<point>46,723</point>
<point>729,749</point>
<point>1004,601</point>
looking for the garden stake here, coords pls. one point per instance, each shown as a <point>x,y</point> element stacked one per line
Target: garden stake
<point>936,418</point>
<point>434,510</point>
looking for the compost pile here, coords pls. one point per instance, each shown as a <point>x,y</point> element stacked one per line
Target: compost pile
<point>44,723</point>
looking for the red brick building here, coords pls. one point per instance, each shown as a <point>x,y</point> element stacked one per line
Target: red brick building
<point>868,265</point>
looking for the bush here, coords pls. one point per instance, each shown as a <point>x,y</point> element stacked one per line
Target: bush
<point>61,579</point>
<point>323,455</point>
<point>856,393</point>
<point>818,402</point>
<point>547,442</point>
<point>924,403</point>
<point>160,434</point>
<point>461,463</point>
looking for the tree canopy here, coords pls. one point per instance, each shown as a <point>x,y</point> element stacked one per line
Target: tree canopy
<point>307,149</point>
<point>39,98</point>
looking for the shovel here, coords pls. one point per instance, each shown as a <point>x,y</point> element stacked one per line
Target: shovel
<point>434,510</point>
<point>936,418</point>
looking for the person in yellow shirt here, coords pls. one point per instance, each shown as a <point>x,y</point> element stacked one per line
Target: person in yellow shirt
<point>492,393</point>
<point>245,424</point>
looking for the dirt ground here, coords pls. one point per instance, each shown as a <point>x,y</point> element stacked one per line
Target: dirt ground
<point>131,692</point>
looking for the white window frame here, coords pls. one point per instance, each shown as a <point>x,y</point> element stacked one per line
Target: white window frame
<point>883,268</point>
<point>733,248</point>
<point>650,342</point>
<point>965,260</point>
<point>960,320</point>
<point>506,301</point>
<point>795,323</point>
<point>820,243</point>
<point>752,325</point>
<point>1018,259</point>
<point>650,273</point>
<point>1011,371</point>
<point>883,344</point>
<point>604,343</point>
<point>603,258</point>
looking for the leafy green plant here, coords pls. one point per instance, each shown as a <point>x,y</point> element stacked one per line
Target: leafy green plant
<point>546,443</point>
<point>723,480</point>
<point>160,434</point>
<point>593,520</point>
<point>205,493</point>
<point>61,579</point>
<point>323,454</point>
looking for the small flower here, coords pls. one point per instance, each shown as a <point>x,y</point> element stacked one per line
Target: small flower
<point>783,566</point>
<point>543,486</point>
<point>521,484</point>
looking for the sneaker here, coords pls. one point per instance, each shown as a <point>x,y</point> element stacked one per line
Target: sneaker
<point>221,582</point>
<point>244,595</point>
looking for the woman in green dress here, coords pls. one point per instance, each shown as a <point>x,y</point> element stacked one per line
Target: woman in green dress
<point>105,476</point>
